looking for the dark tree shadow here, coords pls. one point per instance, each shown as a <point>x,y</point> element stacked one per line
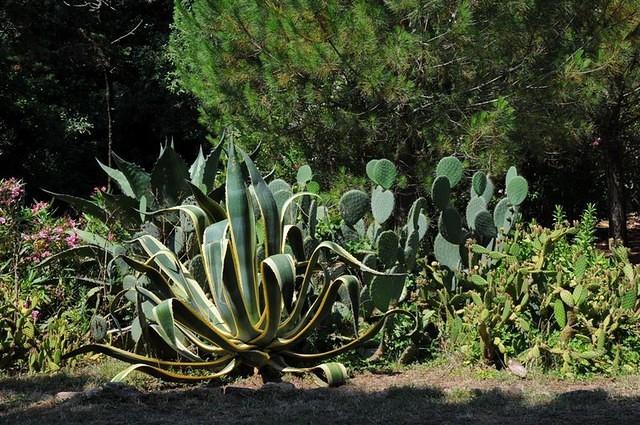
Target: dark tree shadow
<point>345,405</point>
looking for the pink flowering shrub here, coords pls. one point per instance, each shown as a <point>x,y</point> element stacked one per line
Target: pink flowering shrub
<point>38,305</point>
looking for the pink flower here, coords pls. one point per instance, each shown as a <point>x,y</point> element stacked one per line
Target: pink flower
<point>72,240</point>
<point>35,314</point>
<point>39,206</point>
<point>3,220</point>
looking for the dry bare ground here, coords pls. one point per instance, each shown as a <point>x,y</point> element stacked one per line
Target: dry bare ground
<point>421,394</point>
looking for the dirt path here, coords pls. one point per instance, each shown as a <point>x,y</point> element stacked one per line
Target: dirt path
<point>425,395</point>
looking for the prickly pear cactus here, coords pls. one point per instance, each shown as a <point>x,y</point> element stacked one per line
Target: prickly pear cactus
<point>479,224</point>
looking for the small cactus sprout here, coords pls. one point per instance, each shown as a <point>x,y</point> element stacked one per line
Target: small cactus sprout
<point>511,173</point>
<point>500,213</point>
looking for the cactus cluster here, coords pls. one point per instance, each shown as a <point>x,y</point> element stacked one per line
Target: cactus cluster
<point>394,248</point>
<point>478,223</point>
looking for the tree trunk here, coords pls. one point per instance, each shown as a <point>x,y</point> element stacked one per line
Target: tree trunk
<point>613,152</point>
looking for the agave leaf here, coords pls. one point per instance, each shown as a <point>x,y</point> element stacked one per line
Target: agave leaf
<point>161,285</point>
<point>233,294</point>
<point>169,264</point>
<point>96,240</point>
<point>311,267</point>
<point>190,319</point>
<point>138,179</point>
<point>289,203</point>
<point>277,271</point>
<point>119,177</point>
<point>126,356</point>
<point>268,209</point>
<point>196,171</point>
<point>82,205</point>
<point>213,251</point>
<point>294,238</point>
<point>213,209</point>
<point>81,250</point>
<point>318,311</point>
<point>243,235</point>
<point>197,215</point>
<point>326,375</point>
<point>172,376</point>
<point>169,178</point>
<point>211,167</point>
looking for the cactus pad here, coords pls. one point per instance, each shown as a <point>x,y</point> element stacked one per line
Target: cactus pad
<point>278,184</point>
<point>517,190</point>
<point>382,203</point>
<point>388,248</point>
<point>484,225</point>
<point>440,191</point>
<point>511,173</point>
<point>450,225</point>
<point>479,183</point>
<point>451,167</point>
<point>447,254</point>
<point>488,191</point>
<point>304,175</point>
<point>500,214</point>
<point>354,204</point>
<point>386,290</point>
<point>423,226</point>
<point>382,172</point>
<point>371,261</point>
<point>474,206</point>
<point>411,250</point>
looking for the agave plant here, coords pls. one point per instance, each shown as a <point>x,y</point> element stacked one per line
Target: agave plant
<point>237,301</point>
